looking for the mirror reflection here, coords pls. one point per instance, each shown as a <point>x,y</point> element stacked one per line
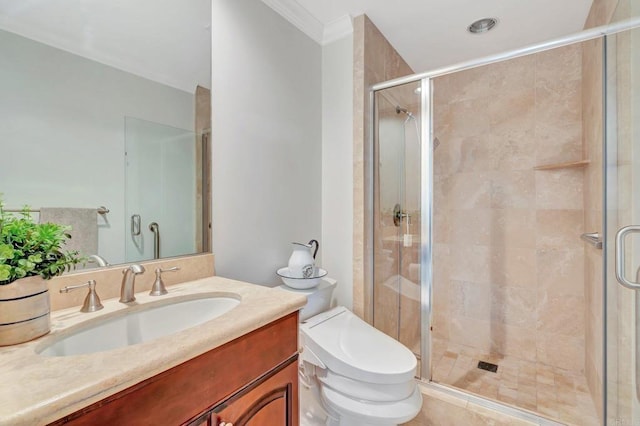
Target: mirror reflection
<point>109,106</point>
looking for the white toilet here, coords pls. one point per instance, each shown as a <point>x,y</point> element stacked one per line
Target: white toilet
<point>360,375</point>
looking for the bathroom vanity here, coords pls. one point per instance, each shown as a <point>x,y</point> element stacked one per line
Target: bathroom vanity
<point>253,377</point>
<point>239,368</point>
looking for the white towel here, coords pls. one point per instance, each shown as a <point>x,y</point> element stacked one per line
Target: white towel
<point>84,227</point>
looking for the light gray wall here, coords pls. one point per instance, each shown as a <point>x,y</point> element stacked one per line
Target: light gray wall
<point>337,166</point>
<point>266,140</point>
<point>62,130</point>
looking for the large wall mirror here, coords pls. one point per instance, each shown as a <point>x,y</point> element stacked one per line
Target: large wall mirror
<point>107,104</point>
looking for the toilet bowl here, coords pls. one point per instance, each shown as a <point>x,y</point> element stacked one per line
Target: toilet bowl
<point>360,375</point>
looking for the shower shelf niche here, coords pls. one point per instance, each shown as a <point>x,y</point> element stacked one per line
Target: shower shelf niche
<point>566,165</point>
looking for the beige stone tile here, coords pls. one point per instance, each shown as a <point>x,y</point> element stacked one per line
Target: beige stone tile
<point>471,226</point>
<point>470,332</point>
<point>516,341</point>
<point>469,191</point>
<point>512,148</point>
<point>469,117</point>
<point>469,85</point>
<point>558,102</point>
<point>558,144</point>
<point>476,266</point>
<point>441,226</point>
<point>191,268</point>
<point>441,190</point>
<point>514,306</point>
<point>514,75</point>
<point>513,115</point>
<point>561,315</point>
<point>438,410</point>
<point>559,229</point>
<point>561,351</point>
<point>560,271</point>
<point>560,64</point>
<point>470,300</point>
<point>513,189</point>
<point>512,267</point>
<point>559,189</point>
<point>469,154</point>
<point>442,369</point>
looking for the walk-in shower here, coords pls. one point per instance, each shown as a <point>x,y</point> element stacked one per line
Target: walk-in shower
<point>478,265</point>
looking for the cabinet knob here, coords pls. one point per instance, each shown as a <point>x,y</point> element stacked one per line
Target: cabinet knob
<point>226,424</point>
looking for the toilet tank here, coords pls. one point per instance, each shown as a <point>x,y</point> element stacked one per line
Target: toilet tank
<point>318,298</point>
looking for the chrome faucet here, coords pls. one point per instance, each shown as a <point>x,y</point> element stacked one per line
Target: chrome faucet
<point>95,258</point>
<point>127,290</point>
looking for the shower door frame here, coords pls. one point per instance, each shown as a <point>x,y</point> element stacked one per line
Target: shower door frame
<point>426,190</point>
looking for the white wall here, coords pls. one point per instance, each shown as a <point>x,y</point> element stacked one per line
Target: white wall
<point>62,130</point>
<point>266,140</point>
<point>337,166</point>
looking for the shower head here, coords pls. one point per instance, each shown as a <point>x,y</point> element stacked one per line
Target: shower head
<point>399,110</point>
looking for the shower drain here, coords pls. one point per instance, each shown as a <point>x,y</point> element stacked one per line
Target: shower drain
<point>487,366</point>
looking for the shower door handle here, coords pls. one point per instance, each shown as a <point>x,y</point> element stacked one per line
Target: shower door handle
<point>620,257</point>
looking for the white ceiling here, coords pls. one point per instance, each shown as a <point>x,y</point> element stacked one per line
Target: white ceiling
<point>432,33</point>
<point>167,41</point>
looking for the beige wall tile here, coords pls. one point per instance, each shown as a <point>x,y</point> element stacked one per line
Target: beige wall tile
<point>375,60</point>
<point>513,189</point>
<point>513,266</point>
<point>560,272</point>
<point>515,258</point>
<point>561,351</point>
<point>559,229</point>
<point>559,189</point>
<point>561,315</point>
<point>558,144</point>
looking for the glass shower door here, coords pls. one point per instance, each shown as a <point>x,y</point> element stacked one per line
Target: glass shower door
<point>160,189</point>
<point>396,275</point>
<point>622,248</point>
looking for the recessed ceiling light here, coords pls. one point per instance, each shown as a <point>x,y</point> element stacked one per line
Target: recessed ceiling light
<point>482,25</point>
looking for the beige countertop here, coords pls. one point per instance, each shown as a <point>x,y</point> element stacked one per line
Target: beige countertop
<point>38,390</point>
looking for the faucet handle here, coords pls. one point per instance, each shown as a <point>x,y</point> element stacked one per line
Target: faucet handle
<point>158,288</point>
<point>92,301</point>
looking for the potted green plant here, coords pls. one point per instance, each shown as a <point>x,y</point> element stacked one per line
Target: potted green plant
<point>30,253</point>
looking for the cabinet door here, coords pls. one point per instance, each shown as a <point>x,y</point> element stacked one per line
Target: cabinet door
<point>270,402</point>
<point>207,419</point>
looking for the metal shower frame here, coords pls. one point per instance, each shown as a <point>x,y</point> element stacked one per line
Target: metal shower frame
<point>427,139</point>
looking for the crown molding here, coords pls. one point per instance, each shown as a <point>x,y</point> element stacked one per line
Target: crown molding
<point>300,17</point>
<point>337,29</point>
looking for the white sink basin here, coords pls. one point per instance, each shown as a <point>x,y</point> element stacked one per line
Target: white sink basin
<point>139,326</point>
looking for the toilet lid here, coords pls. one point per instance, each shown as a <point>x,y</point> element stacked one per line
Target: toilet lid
<point>351,347</point>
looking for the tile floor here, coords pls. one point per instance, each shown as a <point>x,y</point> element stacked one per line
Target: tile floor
<point>558,394</point>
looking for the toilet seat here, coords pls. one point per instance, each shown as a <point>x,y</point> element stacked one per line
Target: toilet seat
<point>374,392</point>
<point>375,412</point>
<point>352,348</point>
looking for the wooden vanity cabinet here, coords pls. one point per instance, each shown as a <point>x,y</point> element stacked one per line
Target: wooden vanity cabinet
<point>252,381</point>
<point>267,402</point>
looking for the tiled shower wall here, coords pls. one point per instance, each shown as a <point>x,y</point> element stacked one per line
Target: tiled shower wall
<point>509,264</point>
<point>374,60</point>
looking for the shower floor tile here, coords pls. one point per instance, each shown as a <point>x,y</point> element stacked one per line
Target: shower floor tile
<point>548,391</point>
